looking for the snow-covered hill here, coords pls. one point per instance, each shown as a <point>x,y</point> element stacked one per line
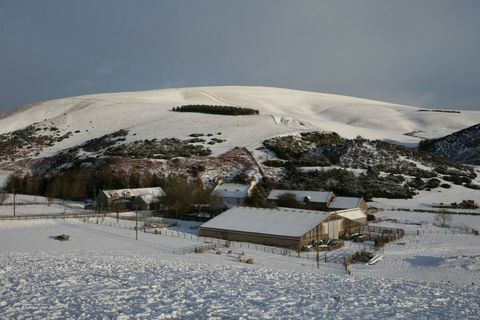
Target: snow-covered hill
<point>148,115</point>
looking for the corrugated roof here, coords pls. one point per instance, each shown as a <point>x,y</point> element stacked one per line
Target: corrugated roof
<point>232,190</point>
<point>345,203</point>
<point>281,221</point>
<point>351,214</point>
<point>313,196</point>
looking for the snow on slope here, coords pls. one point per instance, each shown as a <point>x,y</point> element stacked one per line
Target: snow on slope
<point>147,114</point>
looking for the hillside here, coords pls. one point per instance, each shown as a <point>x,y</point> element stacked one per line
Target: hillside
<point>148,115</point>
<point>462,146</point>
<point>142,134</point>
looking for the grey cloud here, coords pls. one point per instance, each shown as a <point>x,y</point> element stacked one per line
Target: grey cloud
<point>412,52</point>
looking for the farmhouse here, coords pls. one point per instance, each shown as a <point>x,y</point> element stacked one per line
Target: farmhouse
<point>342,203</point>
<point>283,227</point>
<point>127,198</point>
<point>311,200</point>
<point>233,194</point>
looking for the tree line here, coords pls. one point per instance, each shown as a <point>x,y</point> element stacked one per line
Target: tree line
<point>216,109</point>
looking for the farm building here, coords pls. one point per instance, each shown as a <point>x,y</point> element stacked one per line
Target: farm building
<point>355,214</point>
<point>233,194</point>
<point>283,227</point>
<point>342,203</point>
<point>107,199</point>
<point>311,200</point>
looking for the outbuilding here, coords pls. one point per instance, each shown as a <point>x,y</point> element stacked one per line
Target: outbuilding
<point>342,203</point>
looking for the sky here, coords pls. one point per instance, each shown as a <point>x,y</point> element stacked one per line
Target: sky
<point>423,53</point>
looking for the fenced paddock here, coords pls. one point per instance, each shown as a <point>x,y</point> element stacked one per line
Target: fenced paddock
<point>334,256</point>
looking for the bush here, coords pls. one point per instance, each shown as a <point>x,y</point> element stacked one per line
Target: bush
<point>472,186</point>
<point>432,183</point>
<point>274,163</point>
<point>159,149</point>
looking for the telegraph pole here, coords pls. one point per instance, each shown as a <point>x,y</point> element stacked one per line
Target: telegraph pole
<point>14,195</point>
<point>136,222</point>
<point>318,249</point>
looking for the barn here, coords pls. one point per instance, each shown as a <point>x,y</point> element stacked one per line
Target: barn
<point>282,227</point>
<point>342,203</point>
<point>356,215</point>
<point>353,218</point>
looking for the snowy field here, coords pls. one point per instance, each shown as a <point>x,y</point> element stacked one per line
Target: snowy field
<point>103,273</point>
<point>27,205</point>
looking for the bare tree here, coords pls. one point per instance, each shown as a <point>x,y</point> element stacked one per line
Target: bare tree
<point>443,218</point>
<point>3,197</point>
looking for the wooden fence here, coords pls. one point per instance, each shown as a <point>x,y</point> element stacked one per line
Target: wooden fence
<point>50,216</point>
<point>369,230</point>
<point>327,257</point>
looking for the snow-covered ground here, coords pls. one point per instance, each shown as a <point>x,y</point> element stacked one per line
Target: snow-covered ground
<point>27,205</point>
<point>102,272</point>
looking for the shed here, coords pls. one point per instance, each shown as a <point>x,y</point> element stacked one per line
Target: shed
<point>355,214</point>
<point>341,203</point>
<point>312,200</point>
<point>283,227</point>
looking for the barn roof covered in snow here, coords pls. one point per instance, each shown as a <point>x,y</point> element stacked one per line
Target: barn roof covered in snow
<point>313,196</point>
<point>280,222</point>
<point>345,203</point>
<point>351,214</point>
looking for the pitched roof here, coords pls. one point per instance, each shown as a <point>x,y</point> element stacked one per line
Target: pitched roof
<point>148,198</point>
<point>281,221</point>
<point>345,203</point>
<point>232,190</point>
<point>351,214</point>
<point>313,196</point>
<point>156,192</point>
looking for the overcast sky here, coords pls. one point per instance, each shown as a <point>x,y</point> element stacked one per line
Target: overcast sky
<point>423,53</point>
